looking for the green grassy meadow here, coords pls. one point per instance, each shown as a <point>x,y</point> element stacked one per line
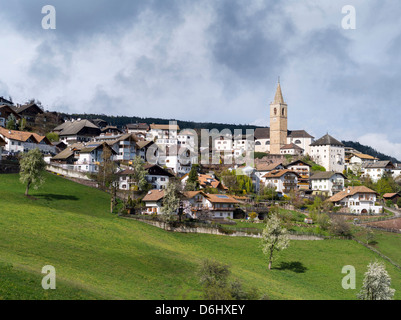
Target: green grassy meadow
<point>98,255</point>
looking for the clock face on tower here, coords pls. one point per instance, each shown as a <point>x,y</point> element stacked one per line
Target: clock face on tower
<point>274,119</point>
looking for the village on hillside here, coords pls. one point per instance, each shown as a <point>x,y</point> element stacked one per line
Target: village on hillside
<point>137,162</point>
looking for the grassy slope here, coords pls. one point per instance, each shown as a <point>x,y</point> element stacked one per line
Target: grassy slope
<point>386,242</point>
<point>98,255</point>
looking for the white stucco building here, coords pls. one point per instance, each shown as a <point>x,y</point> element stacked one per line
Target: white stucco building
<point>328,183</point>
<point>329,153</point>
<point>359,200</point>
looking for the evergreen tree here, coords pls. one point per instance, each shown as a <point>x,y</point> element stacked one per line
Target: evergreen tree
<point>11,123</point>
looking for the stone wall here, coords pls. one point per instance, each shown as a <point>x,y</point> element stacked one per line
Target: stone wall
<point>216,231</point>
<point>67,173</point>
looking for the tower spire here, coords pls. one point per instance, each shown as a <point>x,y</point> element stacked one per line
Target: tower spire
<point>278,98</point>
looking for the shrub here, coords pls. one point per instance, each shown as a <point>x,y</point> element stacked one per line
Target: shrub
<point>323,220</point>
<point>340,227</point>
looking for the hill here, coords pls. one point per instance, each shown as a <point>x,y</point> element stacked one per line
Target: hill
<point>121,121</point>
<point>100,256</point>
<point>369,150</point>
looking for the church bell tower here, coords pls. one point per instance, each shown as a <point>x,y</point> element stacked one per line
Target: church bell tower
<point>278,122</point>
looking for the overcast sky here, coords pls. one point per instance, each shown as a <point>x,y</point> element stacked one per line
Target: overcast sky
<point>212,60</point>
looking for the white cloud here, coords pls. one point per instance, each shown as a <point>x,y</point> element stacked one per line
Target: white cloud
<point>381,143</point>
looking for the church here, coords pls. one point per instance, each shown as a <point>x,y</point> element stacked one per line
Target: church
<point>277,139</point>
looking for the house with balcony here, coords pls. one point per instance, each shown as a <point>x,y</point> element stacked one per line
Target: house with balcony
<point>378,169</point>
<point>153,202</point>
<point>283,181</point>
<point>124,145</point>
<point>163,134</point>
<point>195,204</point>
<point>263,168</point>
<point>66,159</point>
<point>327,183</point>
<point>178,159</point>
<point>358,200</point>
<point>221,206</point>
<point>29,112</point>
<point>156,176</point>
<point>76,131</point>
<point>21,141</point>
<point>137,128</point>
<point>91,156</point>
<point>303,169</point>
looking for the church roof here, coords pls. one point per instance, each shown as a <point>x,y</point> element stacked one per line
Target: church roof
<point>264,133</point>
<point>327,140</point>
<point>298,134</point>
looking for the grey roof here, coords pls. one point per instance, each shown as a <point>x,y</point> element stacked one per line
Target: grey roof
<point>138,126</point>
<point>20,109</point>
<point>262,133</point>
<point>378,164</point>
<point>299,134</point>
<point>325,175</point>
<point>74,127</point>
<point>327,140</point>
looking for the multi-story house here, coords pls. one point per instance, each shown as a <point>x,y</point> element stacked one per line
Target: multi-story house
<point>261,169</point>
<point>179,159</point>
<point>329,153</point>
<point>21,141</point>
<point>124,145</point>
<point>359,200</point>
<point>283,181</point>
<point>396,173</point>
<point>90,157</point>
<point>356,161</point>
<point>327,183</point>
<point>221,206</point>
<point>292,150</point>
<point>156,176</point>
<point>163,134</point>
<point>377,169</point>
<point>153,202</point>
<point>188,138</point>
<point>303,170</point>
<point>76,131</point>
<point>5,112</point>
<point>6,102</point>
<point>29,112</point>
<point>137,128</point>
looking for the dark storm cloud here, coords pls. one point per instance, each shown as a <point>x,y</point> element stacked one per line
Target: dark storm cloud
<point>244,44</point>
<point>196,59</point>
<point>87,18</point>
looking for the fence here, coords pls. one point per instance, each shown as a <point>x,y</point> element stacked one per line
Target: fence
<point>8,166</point>
<point>217,229</point>
<point>379,253</point>
<point>393,230</point>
